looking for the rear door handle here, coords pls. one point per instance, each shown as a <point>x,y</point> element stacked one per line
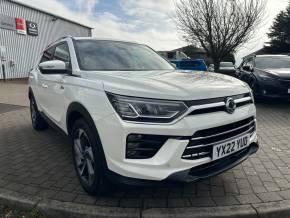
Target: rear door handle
<point>44,85</point>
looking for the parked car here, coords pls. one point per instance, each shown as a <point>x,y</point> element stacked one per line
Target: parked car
<point>133,118</point>
<point>189,64</point>
<point>227,68</point>
<point>267,75</point>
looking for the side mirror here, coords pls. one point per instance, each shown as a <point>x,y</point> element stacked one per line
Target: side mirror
<point>53,67</point>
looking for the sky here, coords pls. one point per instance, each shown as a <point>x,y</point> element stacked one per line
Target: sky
<point>144,21</point>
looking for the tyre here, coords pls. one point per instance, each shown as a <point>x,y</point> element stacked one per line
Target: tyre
<point>89,159</point>
<point>37,120</point>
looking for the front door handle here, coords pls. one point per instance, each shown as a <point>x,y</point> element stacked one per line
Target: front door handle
<point>44,85</point>
<point>61,82</point>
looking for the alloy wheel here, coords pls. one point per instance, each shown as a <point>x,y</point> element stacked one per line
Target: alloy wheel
<point>84,157</point>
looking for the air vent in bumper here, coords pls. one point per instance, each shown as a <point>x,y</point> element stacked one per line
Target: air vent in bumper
<point>141,146</point>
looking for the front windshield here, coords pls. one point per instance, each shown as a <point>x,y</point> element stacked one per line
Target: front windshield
<point>104,55</point>
<point>272,62</point>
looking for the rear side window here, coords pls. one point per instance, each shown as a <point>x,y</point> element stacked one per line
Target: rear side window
<point>47,54</point>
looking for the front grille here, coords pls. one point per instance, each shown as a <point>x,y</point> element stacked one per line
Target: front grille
<point>217,104</point>
<point>215,100</point>
<point>285,83</point>
<point>202,142</point>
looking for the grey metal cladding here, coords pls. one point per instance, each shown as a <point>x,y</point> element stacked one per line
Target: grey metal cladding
<point>25,50</point>
<point>7,22</point>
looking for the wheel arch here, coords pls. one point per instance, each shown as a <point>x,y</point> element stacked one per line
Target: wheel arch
<point>30,93</point>
<point>75,111</point>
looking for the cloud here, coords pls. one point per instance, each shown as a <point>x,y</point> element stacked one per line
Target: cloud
<point>146,21</point>
<point>111,28</point>
<point>86,6</point>
<point>152,25</point>
<point>156,10</point>
<point>58,8</point>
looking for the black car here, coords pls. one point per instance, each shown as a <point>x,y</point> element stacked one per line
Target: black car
<point>267,75</point>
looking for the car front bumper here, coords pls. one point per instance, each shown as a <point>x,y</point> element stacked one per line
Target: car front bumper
<point>274,88</point>
<point>167,162</point>
<point>194,174</point>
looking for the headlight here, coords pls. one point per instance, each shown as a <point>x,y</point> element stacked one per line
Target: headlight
<point>146,110</point>
<point>252,95</point>
<point>251,92</point>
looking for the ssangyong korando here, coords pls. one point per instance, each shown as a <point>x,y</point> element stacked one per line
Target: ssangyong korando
<point>133,118</point>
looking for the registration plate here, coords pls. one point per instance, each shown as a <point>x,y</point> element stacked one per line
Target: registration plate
<point>288,91</point>
<point>230,147</point>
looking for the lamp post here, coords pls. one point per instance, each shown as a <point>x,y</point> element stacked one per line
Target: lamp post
<point>3,60</point>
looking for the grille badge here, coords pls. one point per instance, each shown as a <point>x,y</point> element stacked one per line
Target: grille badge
<point>230,105</point>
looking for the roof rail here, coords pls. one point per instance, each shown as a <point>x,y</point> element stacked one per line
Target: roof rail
<point>63,37</point>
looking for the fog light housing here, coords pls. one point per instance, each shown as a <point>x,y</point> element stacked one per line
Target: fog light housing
<point>140,146</point>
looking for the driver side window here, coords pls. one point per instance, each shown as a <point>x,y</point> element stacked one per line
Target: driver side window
<point>59,52</point>
<point>62,53</point>
<point>47,54</point>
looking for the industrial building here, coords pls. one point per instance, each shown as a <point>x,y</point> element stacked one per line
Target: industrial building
<point>25,31</point>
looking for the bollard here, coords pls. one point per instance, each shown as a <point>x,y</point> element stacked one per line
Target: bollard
<point>4,74</point>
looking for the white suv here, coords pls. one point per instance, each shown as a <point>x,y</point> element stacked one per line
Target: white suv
<point>133,118</point>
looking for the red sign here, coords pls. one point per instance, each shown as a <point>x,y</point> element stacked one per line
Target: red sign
<point>21,26</point>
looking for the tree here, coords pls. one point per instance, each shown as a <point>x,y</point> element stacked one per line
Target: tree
<point>280,33</point>
<point>218,26</point>
<point>196,53</point>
